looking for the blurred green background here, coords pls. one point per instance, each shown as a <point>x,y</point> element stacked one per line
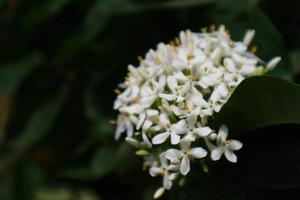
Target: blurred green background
<point>59,63</point>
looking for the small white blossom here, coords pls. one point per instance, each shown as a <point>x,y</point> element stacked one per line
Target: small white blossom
<point>225,146</point>
<point>184,155</point>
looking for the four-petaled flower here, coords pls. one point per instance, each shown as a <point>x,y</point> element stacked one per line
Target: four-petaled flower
<point>225,146</point>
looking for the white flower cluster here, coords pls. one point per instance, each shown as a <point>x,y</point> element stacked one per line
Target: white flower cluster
<point>169,99</point>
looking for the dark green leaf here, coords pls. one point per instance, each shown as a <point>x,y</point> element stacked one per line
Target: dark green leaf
<point>260,102</point>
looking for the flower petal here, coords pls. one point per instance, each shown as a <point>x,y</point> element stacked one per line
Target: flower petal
<point>198,152</point>
<point>132,141</point>
<point>216,153</point>
<point>166,182</point>
<point>175,139</point>
<point>168,97</point>
<point>159,192</point>
<point>185,144</point>
<point>234,145</point>
<point>185,165</point>
<point>191,120</point>
<point>148,101</point>
<point>222,135</point>
<point>160,138</point>
<point>180,127</point>
<point>147,124</point>
<point>146,140</point>
<point>172,83</point>
<point>203,131</point>
<point>155,171</point>
<point>230,156</point>
<point>164,120</point>
<point>173,154</point>
<point>142,118</point>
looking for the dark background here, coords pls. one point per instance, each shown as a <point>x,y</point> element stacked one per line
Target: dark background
<point>59,63</point>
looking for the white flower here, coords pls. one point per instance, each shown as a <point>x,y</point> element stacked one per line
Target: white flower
<point>172,130</point>
<point>123,124</point>
<point>225,146</point>
<point>168,171</point>
<point>184,155</point>
<point>175,91</point>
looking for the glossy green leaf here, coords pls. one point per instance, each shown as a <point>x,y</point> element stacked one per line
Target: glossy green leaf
<point>259,102</point>
<point>11,74</point>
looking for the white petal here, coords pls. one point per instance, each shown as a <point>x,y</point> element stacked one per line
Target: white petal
<point>272,63</point>
<point>175,139</point>
<point>164,120</point>
<point>130,128</point>
<point>216,55</point>
<point>198,152</point>
<point>160,138</point>
<point>230,156</point>
<point>223,133</point>
<point>142,118</point>
<point>247,70</point>
<point>161,82</point>
<point>173,154</point>
<point>159,193</point>
<point>172,83</point>
<point>148,101</point>
<point>152,112</point>
<point>185,144</point>
<point>244,60</point>
<point>190,137</point>
<point>234,145</point>
<point>229,65</point>
<point>248,37</point>
<point>177,111</point>
<point>217,153</point>
<point>203,131</point>
<point>173,176</point>
<point>132,141</point>
<point>155,171</point>
<point>168,97</point>
<point>185,165</point>
<point>191,120</point>
<point>166,182</point>
<point>180,127</point>
<point>147,124</point>
<point>146,140</point>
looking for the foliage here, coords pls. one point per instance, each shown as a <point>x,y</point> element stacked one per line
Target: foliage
<point>60,61</point>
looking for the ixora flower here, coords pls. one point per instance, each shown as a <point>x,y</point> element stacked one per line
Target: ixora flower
<point>166,103</point>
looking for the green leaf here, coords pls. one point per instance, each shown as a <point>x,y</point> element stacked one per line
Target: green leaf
<point>11,74</point>
<point>259,102</point>
<point>40,122</point>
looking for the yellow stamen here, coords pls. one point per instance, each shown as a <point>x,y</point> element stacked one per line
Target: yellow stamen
<point>135,100</point>
<point>117,91</point>
<point>177,41</point>
<point>212,28</point>
<point>172,43</point>
<point>113,122</point>
<point>140,58</point>
<point>253,49</point>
